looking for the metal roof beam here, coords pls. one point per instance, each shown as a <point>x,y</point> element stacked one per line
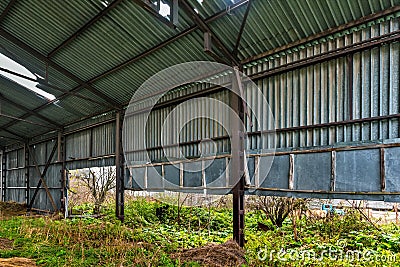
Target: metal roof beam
<point>85,27</point>
<point>205,28</point>
<point>239,37</point>
<point>7,9</point>
<point>19,137</point>
<point>124,64</point>
<point>19,106</point>
<point>16,41</point>
<point>169,41</point>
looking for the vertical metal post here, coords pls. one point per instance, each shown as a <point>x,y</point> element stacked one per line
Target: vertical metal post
<point>63,172</point>
<point>119,169</point>
<point>26,165</point>
<point>3,175</point>
<point>237,151</point>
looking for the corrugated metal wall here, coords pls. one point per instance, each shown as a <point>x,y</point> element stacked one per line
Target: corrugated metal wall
<point>85,147</point>
<point>340,113</point>
<point>361,85</point>
<point>331,118</point>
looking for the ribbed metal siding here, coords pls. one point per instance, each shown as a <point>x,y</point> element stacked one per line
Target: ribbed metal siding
<point>196,130</point>
<point>103,140</point>
<point>320,93</point>
<point>78,145</point>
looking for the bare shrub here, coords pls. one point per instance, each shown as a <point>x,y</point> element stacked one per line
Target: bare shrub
<point>277,209</point>
<point>97,183</point>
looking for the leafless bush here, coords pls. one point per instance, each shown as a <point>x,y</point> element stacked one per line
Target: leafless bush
<point>97,181</point>
<point>277,209</point>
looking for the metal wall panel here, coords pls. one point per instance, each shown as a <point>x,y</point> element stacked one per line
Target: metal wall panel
<point>332,118</point>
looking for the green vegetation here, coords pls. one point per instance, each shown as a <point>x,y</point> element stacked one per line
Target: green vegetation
<point>148,238</point>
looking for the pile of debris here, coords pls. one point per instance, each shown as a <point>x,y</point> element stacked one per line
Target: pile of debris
<point>10,209</point>
<point>214,255</point>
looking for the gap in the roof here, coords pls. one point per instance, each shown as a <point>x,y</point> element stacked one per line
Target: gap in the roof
<point>200,1</point>
<point>8,63</point>
<point>105,3</point>
<point>165,10</point>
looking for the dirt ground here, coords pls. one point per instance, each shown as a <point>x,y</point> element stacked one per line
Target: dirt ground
<point>13,262</point>
<point>11,209</point>
<point>213,255</point>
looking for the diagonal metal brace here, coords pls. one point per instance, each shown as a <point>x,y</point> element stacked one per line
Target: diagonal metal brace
<point>42,180</point>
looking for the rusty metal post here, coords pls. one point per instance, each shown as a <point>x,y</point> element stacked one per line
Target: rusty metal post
<point>26,165</point>
<point>119,170</point>
<point>3,175</point>
<point>237,151</point>
<point>63,172</point>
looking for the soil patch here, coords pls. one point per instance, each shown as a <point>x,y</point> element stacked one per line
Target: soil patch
<point>214,255</point>
<point>6,244</point>
<point>10,209</point>
<point>21,262</point>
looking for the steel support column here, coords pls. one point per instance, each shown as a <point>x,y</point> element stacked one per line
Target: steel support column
<point>237,161</point>
<point>63,173</point>
<point>3,175</point>
<point>26,165</point>
<point>119,170</point>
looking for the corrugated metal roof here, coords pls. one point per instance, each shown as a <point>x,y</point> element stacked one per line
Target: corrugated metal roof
<point>273,24</point>
<point>127,31</point>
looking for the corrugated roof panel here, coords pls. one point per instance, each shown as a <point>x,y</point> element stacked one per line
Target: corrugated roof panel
<point>112,40</point>
<point>122,84</point>
<point>58,113</point>
<point>35,65</point>
<point>26,129</point>
<point>20,94</point>
<point>3,5</point>
<point>49,23</point>
<point>293,20</point>
<point>79,107</point>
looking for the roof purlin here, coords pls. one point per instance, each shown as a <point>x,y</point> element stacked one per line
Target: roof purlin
<point>84,27</point>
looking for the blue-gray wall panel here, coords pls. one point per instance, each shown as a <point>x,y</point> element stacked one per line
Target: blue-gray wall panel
<point>312,171</point>
<point>358,170</point>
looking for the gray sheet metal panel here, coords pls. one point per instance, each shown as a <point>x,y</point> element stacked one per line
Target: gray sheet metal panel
<point>42,201</point>
<point>358,171</point>
<point>312,171</point>
<point>198,129</point>
<point>103,140</point>
<point>191,176</point>
<point>171,176</point>
<point>392,169</point>
<point>320,93</point>
<point>78,145</point>
<point>16,178</point>
<point>215,172</point>
<point>278,176</point>
<point>81,164</point>
<point>136,179</point>
<point>17,195</point>
<point>392,198</point>
<point>154,178</point>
